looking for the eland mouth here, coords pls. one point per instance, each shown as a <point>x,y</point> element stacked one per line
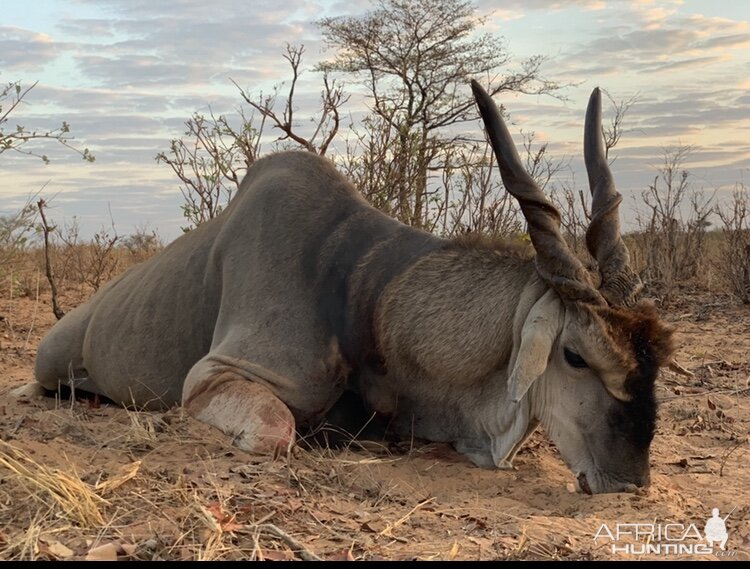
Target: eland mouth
<point>600,486</point>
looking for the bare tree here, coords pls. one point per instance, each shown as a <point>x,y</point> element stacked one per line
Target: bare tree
<point>367,162</point>
<point>210,161</point>
<point>15,227</point>
<point>415,59</point>
<point>14,231</point>
<point>673,240</point>
<point>614,131</point>
<point>92,263</point>
<point>735,255</point>
<point>12,95</point>
<point>326,126</point>
<point>480,203</point>
<point>212,156</point>
<point>47,229</point>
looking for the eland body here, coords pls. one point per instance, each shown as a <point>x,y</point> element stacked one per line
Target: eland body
<point>261,319</point>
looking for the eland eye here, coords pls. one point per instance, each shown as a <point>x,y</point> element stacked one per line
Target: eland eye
<point>573,359</point>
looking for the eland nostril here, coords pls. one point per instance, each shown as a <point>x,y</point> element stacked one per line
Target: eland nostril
<point>644,479</point>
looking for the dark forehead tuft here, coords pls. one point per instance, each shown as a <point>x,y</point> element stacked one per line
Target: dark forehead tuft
<point>649,341</point>
<point>640,331</point>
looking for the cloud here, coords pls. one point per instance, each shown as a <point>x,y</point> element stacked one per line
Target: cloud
<point>87,27</point>
<point>25,50</point>
<point>632,45</point>
<point>127,73</point>
<point>145,71</point>
<point>264,10</point>
<point>546,5</point>
<point>684,64</point>
<point>733,40</point>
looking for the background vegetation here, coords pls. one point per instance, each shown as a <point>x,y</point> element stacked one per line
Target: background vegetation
<point>410,157</point>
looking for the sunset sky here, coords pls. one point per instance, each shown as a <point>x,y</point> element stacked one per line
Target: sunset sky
<point>127,73</point>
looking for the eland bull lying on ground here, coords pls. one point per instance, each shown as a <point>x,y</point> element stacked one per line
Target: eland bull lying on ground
<point>258,321</point>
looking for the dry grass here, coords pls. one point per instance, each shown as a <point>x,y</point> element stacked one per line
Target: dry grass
<point>77,500</point>
<point>191,496</point>
<point>205,510</point>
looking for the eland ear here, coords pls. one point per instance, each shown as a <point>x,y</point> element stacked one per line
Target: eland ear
<point>541,327</point>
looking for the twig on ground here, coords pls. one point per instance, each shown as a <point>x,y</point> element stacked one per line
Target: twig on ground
<point>303,553</point>
<point>726,456</point>
<point>387,531</point>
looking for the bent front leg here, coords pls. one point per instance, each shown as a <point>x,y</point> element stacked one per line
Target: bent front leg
<point>257,420</point>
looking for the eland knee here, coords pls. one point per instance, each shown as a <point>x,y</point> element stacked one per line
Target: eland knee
<point>257,420</point>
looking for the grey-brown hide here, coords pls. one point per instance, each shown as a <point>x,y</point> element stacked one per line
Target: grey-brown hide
<point>279,290</point>
<point>259,320</point>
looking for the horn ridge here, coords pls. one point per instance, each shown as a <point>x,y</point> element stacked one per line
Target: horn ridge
<point>620,285</point>
<point>556,264</point>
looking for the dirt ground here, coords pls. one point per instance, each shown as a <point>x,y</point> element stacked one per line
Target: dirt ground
<point>82,479</point>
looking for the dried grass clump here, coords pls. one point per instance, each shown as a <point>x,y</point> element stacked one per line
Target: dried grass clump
<point>79,502</point>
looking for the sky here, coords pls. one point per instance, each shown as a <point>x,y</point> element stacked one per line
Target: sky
<point>126,74</point>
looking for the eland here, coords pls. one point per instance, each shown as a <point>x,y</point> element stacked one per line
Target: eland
<point>301,303</point>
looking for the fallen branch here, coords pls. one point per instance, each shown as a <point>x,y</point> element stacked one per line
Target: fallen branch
<point>727,455</point>
<point>677,368</point>
<point>387,531</point>
<point>303,553</point>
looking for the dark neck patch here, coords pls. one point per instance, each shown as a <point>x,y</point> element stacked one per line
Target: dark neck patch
<point>650,342</point>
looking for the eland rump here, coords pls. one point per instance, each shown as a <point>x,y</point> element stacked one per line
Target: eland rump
<point>260,320</point>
